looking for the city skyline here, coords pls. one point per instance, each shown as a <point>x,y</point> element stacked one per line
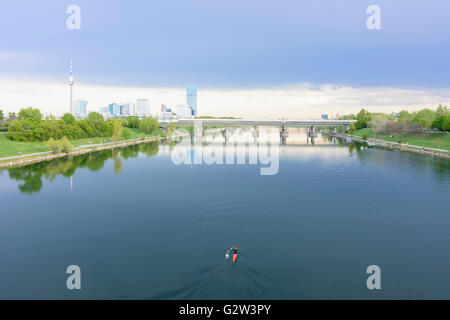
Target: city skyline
<point>295,101</point>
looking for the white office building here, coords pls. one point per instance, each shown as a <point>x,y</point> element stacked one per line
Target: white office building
<point>183,111</point>
<point>79,107</point>
<point>127,109</point>
<point>142,107</point>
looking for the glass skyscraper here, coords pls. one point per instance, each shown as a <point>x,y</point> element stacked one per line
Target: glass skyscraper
<point>191,97</point>
<point>79,107</point>
<point>115,109</point>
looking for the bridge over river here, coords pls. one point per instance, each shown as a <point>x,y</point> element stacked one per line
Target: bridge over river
<point>310,125</point>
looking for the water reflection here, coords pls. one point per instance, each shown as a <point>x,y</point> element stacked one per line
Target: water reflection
<point>31,176</point>
<point>294,144</point>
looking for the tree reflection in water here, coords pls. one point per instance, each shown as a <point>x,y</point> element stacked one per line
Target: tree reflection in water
<point>31,176</point>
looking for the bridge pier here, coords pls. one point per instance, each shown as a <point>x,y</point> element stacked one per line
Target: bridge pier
<point>255,132</point>
<point>226,134</point>
<point>310,133</point>
<point>283,132</point>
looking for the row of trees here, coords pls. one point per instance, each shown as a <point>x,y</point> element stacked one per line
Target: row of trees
<point>404,122</point>
<point>30,126</point>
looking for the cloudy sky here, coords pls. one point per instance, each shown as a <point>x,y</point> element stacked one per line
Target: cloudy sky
<point>265,58</point>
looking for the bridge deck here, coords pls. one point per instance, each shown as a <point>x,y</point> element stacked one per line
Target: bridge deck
<point>248,122</point>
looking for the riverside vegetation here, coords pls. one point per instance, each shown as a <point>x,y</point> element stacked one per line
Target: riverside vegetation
<point>28,132</point>
<point>426,127</point>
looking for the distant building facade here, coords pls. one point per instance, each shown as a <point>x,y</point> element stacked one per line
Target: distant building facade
<point>142,107</point>
<point>183,111</point>
<point>191,97</point>
<point>127,109</point>
<point>165,109</point>
<point>115,109</point>
<point>79,107</point>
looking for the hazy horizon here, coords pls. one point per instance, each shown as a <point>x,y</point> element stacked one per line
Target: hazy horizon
<point>293,101</point>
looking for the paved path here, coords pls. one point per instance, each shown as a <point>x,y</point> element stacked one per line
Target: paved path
<point>47,152</point>
<point>79,147</point>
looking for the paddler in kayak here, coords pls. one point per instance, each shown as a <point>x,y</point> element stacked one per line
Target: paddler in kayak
<point>235,250</point>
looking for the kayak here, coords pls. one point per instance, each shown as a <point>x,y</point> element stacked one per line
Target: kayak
<point>234,257</point>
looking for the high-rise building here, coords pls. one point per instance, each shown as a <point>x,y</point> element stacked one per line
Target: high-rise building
<point>142,107</point>
<point>191,97</point>
<point>115,109</point>
<point>127,109</point>
<point>79,107</point>
<point>70,87</point>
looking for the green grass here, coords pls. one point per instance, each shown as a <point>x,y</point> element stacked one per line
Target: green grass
<point>10,148</point>
<point>438,140</point>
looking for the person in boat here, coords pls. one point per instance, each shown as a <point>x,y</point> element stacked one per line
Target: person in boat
<point>234,249</point>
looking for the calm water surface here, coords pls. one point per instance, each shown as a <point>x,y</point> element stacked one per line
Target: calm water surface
<point>141,226</point>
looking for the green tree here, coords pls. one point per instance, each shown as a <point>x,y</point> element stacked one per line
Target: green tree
<point>131,122</point>
<point>362,119</point>
<point>96,117</point>
<point>32,114</point>
<point>12,116</point>
<point>446,124</point>
<point>404,116</point>
<point>149,125</point>
<point>442,111</point>
<point>352,128</point>
<point>68,118</point>
<point>438,123</point>
<point>1,115</point>
<point>424,117</point>
<point>117,131</point>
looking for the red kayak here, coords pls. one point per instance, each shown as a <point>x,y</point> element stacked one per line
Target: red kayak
<point>234,257</point>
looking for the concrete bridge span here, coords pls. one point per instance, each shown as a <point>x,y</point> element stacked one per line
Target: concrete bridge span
<point>251,123</point>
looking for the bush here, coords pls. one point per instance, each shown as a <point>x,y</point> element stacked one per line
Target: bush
<point>365,136</point>
<point>351,128</point>
<point>66,146</point>
<point>172,127</point>
<point>54,145</point>
<point>126,134</point>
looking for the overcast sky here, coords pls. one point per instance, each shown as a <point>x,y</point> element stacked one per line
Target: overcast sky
<point>277,58</point>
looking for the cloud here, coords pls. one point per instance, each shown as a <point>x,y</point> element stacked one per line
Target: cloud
<point>298,101</point>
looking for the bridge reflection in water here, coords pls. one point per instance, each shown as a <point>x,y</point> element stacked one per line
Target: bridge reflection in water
<point>256,134</point>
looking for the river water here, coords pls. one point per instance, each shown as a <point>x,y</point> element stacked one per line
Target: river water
<point>153,221</point>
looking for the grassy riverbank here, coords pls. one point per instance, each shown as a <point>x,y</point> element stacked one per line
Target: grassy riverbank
<point>438,140</point>
<point>10,148</point>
